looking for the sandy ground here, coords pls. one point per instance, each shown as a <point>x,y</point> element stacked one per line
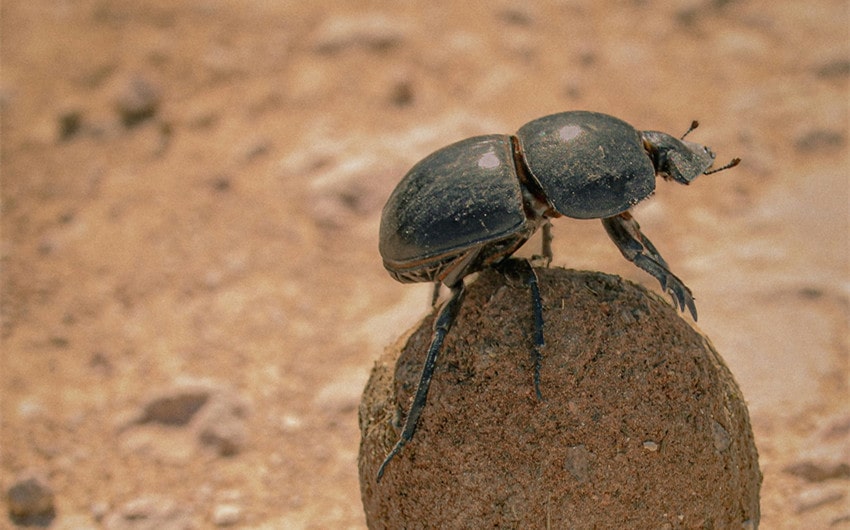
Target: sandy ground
<point>192,295</point>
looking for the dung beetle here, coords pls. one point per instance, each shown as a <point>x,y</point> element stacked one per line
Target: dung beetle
<point>472,204</point>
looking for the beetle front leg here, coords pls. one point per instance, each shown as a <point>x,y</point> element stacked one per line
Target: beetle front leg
<point>442,323</point>
<point>625,232</point>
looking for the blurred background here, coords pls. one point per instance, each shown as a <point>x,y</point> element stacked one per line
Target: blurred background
<point>192,296</point>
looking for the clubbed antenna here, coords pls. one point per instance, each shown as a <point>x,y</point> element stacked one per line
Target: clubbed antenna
<point>733,163</point>
<point>694,125</point>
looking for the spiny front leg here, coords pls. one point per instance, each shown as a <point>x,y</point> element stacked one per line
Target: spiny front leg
<point>442,324</point>
<point>625,232</point>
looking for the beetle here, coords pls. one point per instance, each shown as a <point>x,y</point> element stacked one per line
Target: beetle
<point>472,204</point>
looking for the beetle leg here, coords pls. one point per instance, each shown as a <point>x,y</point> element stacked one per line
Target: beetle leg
<point>539,340</point>
<point>455,272</point>
<point>536,311</point>
<point>442,323</point>
<point>547,241</point>
<point>436,294</point>
<point>545,256</point>
<point>625,232</point>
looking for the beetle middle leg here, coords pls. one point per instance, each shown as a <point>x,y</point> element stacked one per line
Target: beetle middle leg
<point>524,266</point>
<point>625,232</point>
<point>435,294</point>
<point>442,323</point>
<point>546,245</point>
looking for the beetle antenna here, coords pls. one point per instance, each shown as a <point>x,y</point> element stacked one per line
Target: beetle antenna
<point>694,125</point>
<point>733,163</point>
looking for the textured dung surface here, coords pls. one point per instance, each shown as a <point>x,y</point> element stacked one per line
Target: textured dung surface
<point>642,423</point>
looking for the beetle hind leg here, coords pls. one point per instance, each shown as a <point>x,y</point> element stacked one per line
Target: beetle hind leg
<point>442,323</point>
<point>625,232</point>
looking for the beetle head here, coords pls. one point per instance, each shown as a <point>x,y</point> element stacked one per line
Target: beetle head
<point>680,160</point>
<point>677,159</point>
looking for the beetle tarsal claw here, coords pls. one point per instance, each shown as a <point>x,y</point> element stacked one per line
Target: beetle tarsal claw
<point>538,260</point>
<point>682,296</point>
<point>678,291</point>
<point>670,283</point>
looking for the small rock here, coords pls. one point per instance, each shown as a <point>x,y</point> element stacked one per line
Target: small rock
<point>722,441</point>
<point>341,192</point>
<point>819,139</point>
<point>291,423</point>
<point>227,514</point>
<point>31,500</point>
<point>221,426</point>
<point>30,408</point>
<point>175,406</point>
<point>819,471</point>
<point>837,430</point>
<point>401,93</point>
<point>221,183</point>
<point>650,446</point>
<point>163,445</point>
<point>150,513</point>
<point>826,454</point>
<point>835,68</point>
<point>99,510</point>
<point>193,413</point>
<point>137,102</point>
<point>70,123</point>
<point>341,394</point>
<point>817,497</point>
<point>226,438</point>
<point>517,16</point>
<point>375,33</point>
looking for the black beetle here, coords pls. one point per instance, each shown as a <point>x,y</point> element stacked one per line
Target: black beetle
<point>471,204</point>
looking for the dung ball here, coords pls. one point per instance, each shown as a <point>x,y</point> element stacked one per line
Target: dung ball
<point>641,424</point>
